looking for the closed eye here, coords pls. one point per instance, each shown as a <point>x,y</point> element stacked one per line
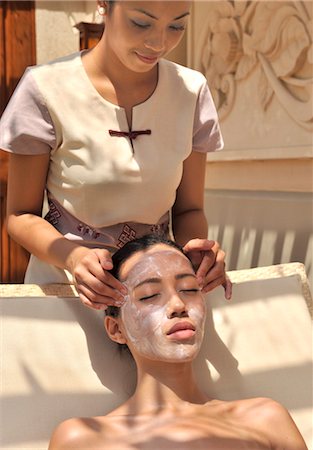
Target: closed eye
<point>177,27</point>
<point>147,297</point>
<point>191,291</point>
<point>140,24</point>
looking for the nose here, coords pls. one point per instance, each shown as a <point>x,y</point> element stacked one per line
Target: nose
<point>176,306</point>
<point>156,41</point>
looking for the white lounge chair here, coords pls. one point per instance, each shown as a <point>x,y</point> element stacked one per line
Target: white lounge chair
<point>57,362</point>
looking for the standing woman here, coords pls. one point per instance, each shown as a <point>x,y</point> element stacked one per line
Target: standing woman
<point>117,137</point>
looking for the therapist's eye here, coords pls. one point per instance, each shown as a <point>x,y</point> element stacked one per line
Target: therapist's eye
<point>140,24</point>
<point>177,27</point>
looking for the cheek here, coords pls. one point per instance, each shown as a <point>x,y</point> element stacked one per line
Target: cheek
<point>130,35</point>
<point>131,318</point>
<point>173,40</point>
<point>197,313</point>
<point>143,322</point>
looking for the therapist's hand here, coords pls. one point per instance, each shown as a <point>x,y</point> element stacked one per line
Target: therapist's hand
<point>97,288</point>
<point>209,262</point>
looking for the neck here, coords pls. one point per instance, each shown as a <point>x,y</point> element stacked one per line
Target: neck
<point>166,386</point>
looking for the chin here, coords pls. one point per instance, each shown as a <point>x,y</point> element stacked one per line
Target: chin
<point>143,69</point>
<point>182,353</point>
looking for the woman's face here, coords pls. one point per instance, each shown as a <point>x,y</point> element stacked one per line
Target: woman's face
<point>163,316</point>
<point>142,32</point>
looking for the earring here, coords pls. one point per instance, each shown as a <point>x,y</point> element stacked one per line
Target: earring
<point>102,10</point>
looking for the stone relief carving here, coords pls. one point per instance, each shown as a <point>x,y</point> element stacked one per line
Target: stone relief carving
<point>274,38</point>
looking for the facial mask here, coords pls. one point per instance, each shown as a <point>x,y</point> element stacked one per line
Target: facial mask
<point>146,321</point>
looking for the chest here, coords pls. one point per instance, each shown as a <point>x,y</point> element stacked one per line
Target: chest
<point>128,98</point>
<point>189,432</point>
<point>95,152</point>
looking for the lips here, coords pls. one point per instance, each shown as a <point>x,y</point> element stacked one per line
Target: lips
<point>181,330</point>
<point>150,59</point>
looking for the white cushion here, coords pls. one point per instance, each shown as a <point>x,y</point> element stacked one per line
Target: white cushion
<point>58,363</point>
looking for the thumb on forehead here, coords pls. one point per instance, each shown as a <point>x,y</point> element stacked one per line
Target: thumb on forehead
<point>198,245</point>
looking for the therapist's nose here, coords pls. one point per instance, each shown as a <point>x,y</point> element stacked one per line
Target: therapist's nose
<point>156,41</point>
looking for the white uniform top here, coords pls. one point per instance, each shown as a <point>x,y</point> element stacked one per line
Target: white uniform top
<point>99,183</point>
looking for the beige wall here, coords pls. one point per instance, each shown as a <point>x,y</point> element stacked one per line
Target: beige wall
<point>259,188</point>
<point>55,32</point>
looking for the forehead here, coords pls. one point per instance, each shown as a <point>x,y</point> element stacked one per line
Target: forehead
<point>158,7</point>
<point>159,258</point>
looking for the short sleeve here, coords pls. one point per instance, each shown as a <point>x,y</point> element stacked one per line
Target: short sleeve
<point>26,126</point>
<point>207,135</point>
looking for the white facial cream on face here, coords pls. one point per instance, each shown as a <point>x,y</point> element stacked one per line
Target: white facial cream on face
<point>146,321</point>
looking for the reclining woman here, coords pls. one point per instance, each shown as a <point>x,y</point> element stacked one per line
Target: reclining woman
<point>162,323</point>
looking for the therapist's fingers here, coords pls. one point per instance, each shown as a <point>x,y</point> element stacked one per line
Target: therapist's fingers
<point>222,281</point>
<point>91,268</point>
<point>97,287</point>
<point>212,265</point>
<point>102,289</point>
<point>228,288</point>
<point>209,259</point>
<point>102,281</point>
<point>215,275</point>
<point>195,249</point>
<point>212,285</point>
<point>205,271</point>
<point>198,245</point>
<point>95,300</point>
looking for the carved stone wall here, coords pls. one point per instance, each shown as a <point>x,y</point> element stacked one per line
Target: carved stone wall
<point>258,59</point>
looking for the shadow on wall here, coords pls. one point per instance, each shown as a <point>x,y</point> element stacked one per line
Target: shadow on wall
<point>260,229</point>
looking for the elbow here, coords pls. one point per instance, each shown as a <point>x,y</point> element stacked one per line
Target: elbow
<point>16,225</point>
<point>9,225</point>
<point>11,220</point>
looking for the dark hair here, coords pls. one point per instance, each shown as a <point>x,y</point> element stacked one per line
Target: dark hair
<point>129,249</point>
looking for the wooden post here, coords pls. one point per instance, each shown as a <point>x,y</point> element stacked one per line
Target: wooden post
<point>17,51</point>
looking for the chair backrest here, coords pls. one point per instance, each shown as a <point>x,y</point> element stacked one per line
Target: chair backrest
<point>58,363</point>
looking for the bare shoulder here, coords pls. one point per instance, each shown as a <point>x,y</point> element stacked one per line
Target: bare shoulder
<point>262,409</point>
<point>272,418</point>
<point>78,433</point>
<point>266,407</point>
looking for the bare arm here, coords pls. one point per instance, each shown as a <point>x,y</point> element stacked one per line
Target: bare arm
<point>189,220</point>
<point>26,182</point>
<point>190,226</point>
<point>26,187</point>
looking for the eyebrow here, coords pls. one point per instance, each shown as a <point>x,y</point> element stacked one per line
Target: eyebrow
<point>156,280</point>
<point>156,18</point>
<point>184,275</point>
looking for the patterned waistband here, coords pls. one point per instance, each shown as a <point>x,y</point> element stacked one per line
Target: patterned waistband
<point>111,237</point>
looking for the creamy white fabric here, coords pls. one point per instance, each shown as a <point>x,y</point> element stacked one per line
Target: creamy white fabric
<point>105,190</point>
<point>57,361</point>
<point>97,177</point>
